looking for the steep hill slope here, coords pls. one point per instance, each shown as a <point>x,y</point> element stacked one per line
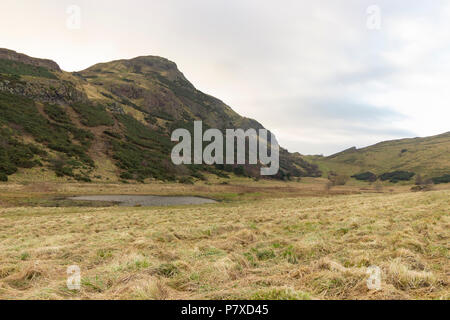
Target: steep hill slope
<point>428,156</point>
<point>111,120</point>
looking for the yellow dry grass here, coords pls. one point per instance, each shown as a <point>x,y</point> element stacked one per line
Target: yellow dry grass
<point>291,247</point>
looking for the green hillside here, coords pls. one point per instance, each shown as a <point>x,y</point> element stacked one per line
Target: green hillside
<point>429,157</point>
<point>112,121</point>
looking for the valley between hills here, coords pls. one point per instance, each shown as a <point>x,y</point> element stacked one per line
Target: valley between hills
<point>310,232</point>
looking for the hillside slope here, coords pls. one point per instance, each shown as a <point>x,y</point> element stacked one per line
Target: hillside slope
<point>428,156</point>
<point>112,120</point>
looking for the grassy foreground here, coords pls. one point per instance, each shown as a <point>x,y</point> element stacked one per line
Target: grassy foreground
<point>289,247</point>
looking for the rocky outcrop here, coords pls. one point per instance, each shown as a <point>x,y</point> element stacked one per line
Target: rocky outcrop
<point>50,91</point>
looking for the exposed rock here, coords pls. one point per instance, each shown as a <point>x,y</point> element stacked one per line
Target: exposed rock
<point>51,91</point>
<point>114,107</point>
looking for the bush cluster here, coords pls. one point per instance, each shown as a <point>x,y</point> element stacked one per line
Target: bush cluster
<point>366,176</point>
<point>397,176</point>
<point>93,115</point>
<point>58,134</point>
<point>443,179</point>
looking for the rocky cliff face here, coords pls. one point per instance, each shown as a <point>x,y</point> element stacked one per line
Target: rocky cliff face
<point>122,111</point>
<point>159,88</point>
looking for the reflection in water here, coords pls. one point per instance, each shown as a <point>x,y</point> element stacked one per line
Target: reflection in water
<point>146,201</point>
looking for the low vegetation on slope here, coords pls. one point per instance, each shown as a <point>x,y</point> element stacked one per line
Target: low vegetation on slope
<point>426,156</point>
<point>93,115</point>
<point>14,154</point>
<point>60,136</point>
<point>22,69</point>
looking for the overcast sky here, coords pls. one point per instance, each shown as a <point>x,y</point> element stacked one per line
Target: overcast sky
<point>323,75</point>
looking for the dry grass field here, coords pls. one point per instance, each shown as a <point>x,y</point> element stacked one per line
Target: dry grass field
<point>265,240</point>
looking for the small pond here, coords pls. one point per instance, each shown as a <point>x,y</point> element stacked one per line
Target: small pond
<point>145,201</point>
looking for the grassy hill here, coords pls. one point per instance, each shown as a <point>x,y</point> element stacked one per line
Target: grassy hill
<point>112,121</point>
<point>429,157</point>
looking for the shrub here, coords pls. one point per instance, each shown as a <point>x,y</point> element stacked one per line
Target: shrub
<point>113,134</point>
<point>93,115</point>
<point>397,176</point>
<point>443,179</point>
<point>145,153</point>
<point>366,176</point>
<point>22,114</point>
<point>199,176</point>
<point>14,154</point>
<point>59,166</point>
<point>3,177</point>
<point>57,113</point>
<point>126,176</point>
<point>82,178</point>
<point>239,171</point>
<point>186,180</point>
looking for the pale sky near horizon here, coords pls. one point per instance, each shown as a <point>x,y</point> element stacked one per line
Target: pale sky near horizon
<point>313,72</point>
